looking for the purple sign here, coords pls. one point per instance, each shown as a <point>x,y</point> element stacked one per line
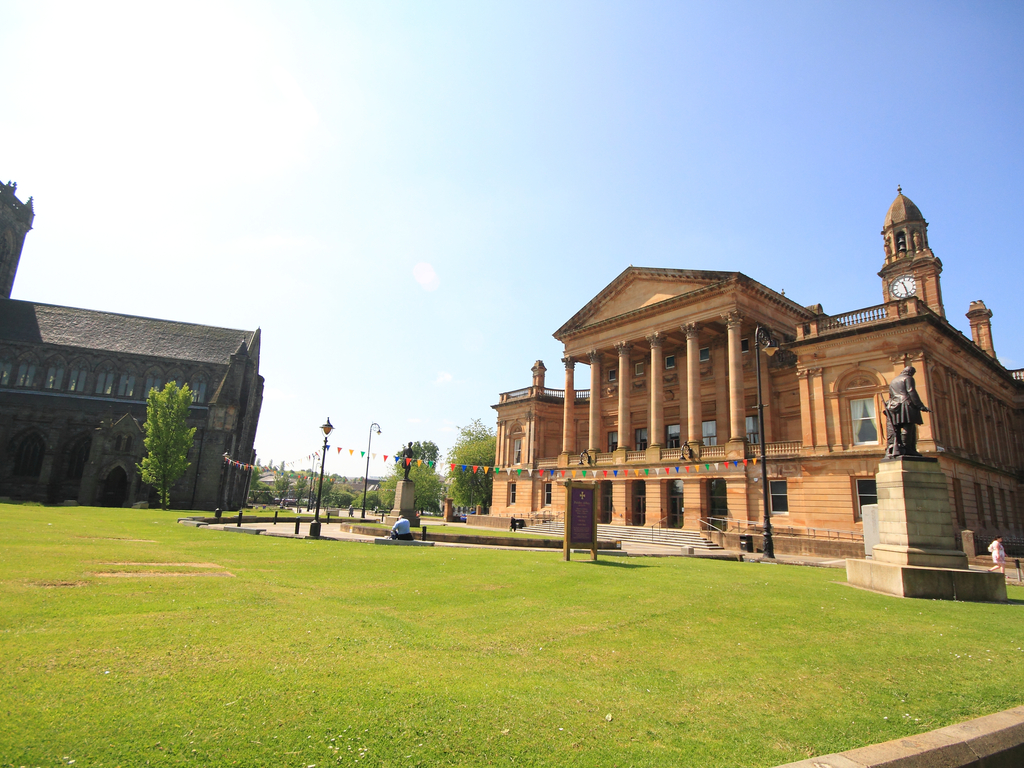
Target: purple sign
<point>582,511</point>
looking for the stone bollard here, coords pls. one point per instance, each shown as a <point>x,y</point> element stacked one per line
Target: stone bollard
<point>967,538</point>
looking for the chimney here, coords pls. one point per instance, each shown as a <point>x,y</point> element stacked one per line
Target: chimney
<point>538,374</point>
<point>980,317</point>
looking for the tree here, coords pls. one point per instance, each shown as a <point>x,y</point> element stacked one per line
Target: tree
<point>168,438</point>
<point>476,446</point>
<point>301,487</point>
<point>429,486</point>
<point>282,484</point>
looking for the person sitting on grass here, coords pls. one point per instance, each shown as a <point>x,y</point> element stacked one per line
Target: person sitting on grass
<point>401,530</point>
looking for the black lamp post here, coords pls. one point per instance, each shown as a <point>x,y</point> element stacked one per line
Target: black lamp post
<point>366,477</point>
<point>314,527</point>
<point>763,341</point>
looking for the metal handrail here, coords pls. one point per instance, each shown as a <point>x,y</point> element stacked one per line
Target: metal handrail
<point>786,530</point>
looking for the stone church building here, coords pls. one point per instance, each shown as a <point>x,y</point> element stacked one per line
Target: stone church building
<point>73,386</point>
<point>669,426</point>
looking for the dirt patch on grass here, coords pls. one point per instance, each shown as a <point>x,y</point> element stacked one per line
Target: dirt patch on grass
<point>54,583</point>
<point>158,574</point>
<point>118,538</point>
<point>171,565</point>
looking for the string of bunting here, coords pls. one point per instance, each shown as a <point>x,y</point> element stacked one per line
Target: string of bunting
<point>614,473</point>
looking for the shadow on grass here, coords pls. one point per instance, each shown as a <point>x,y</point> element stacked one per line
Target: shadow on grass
<point>615,564</point>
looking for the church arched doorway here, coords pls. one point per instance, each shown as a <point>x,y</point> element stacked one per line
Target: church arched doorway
<point>115,488</point>
<point>28,455</point>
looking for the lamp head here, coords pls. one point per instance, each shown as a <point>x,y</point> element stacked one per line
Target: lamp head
<point>327,428</point>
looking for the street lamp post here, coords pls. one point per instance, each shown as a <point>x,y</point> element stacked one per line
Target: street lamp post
<point>366,476</point>
<point>763,340</point>
<point>314,527</point>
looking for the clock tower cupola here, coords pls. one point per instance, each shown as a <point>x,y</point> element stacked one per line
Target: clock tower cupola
<point>910,269</point>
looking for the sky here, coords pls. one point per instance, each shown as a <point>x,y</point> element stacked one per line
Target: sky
<point>409,198</point>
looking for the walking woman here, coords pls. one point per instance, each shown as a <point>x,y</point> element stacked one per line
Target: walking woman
<point>998,555</point>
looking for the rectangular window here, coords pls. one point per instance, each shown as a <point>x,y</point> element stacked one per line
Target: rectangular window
<point>76,383</point>
<point>517,451</point>
<point>606,502</point>
<point>152,382</point>
<point>613,441</point>
<point>672,436</point>
<point>638,369</point>
<point>1002,505</point>
<point>613,374</point>
<point>670,362</point>
<point>958,503</point>
<point>641,439</point>
<point>867,493</point>
<point>5,374</point>
<point>744,345</point>
<point>104,382</point>
<point>704,354</point>
<point>127,386</point>
<point>547,494</point>
<point>199,393</point>
<point>753,431</point>
<point>862,414</point>
<point>511,494</point>
<point>780,496</point>
<point>26,375</point>
<point>979,501</point>
<point>709,432</point>
<point>54,377</point>
<point>993,513</point>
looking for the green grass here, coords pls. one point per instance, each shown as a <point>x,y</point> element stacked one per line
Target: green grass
<point>311,652</point>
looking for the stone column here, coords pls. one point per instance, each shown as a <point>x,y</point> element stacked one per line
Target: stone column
<point>737,430</point>
<point>657,503</point>
<point>625,437</point>
<point>568,413</point>
<point>594,443</point>
<point>621,501</point>
<point>695,502</point>
<point>693,412</point>
<point>806,417</point>
<point>656,420</point>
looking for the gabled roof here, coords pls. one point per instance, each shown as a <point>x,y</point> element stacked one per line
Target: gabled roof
<point>29,322</point>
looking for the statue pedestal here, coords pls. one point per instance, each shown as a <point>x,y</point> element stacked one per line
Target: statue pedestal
<point>405,501</point>
<point>917,554</point>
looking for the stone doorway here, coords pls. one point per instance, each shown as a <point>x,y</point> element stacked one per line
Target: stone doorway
<point>675,504</point>
<point>115,488</point>
<point>639,502</point>
<point>718,504</point>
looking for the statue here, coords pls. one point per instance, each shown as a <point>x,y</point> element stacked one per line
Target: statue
<point>902,415</point>
<point>888,246</point>
<point>917,240</point>
<point>407,459</point>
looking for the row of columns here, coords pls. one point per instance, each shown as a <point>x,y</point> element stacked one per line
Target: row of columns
<point>656,424</point>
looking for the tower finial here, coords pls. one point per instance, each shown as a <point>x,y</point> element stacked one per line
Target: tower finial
<point>899,190</point>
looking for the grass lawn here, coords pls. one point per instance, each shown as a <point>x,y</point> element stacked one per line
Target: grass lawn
<point>126,638</point>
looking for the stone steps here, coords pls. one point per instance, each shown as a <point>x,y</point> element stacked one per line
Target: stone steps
<point>670,537</point>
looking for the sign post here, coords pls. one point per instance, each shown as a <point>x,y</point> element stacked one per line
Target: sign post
<point>580,518</point>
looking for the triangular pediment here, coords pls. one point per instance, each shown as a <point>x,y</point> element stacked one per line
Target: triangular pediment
<point>640,287</point>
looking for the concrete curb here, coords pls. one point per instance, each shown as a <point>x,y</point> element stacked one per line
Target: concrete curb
<point>254,531</point>
<point>405,543</point>
<point>994,741</point>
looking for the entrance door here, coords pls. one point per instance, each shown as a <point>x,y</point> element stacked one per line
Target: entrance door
<point>115,489</point>
<point>675,504</point>
<point>639,502</point>
<point>717,503</point>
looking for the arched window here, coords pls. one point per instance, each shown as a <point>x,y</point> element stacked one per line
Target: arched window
<point>54,375</point>
<point>177,377</point>
<point>5,373</point>
<point>154,380</point>
<point>105,380</point>
<point>26,374</point>
<point>77,375</point>
<point>198,387</point>
<point>28,455</point>
<point>78,456</point>
<point>901,241</point>
<point>127,386</point>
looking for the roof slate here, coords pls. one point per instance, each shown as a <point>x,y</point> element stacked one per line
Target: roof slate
<point>29,322</point>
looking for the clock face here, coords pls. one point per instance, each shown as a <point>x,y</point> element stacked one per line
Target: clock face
<point>903,286</point>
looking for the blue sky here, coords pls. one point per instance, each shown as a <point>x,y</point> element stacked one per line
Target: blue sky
<point>410,198</point>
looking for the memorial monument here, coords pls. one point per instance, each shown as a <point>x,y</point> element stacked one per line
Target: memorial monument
<point>405,491</point>
<point>917,554</point>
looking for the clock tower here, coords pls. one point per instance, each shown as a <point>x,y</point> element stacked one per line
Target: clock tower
<point>910,269</point>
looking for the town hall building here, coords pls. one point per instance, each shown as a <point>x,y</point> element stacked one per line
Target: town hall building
<point>669,425</point>
<point>73,387</point>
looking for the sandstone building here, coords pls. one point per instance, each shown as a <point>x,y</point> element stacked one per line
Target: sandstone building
<point>669,426</point>
<point>73,385</point>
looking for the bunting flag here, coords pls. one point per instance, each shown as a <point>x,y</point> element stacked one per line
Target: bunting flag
<point>385,457</point>
<point>351,451</point>
<point>574,474</point>
<point>362,454</point>
<point>339,450</point>
<point>419,462</point>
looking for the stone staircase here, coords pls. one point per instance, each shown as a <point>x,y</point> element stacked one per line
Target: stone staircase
<point>668,537</point>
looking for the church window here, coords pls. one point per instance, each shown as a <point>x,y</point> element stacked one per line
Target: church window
<point>709,432</point>
<point>641,438</point>
<point>862,413</point>
<point>511,494</point>
<point>613,441</point>
<point>198,390</point>
<point>672,436</point>
<point>54,377</point>
<point>153,381</point>
<point>753,431</point>
<point>105,382</point>
<point>638,369</point>
<point>76,381</point>
<point>28,456</point>
<point>5,373</point>
<point>127,386</point>
<point>779,493</point>
<point>670,362</point>
<point>613,374</point>
<point>78,455</point>
<point>26,375</point>
<point>704,354</point>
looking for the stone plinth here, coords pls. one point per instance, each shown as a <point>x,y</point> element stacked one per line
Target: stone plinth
<point>405,501</point>
<point>917,554</point>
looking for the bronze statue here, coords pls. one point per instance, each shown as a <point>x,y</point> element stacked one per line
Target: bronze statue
<point>902,415</point>
<point>407,459</point>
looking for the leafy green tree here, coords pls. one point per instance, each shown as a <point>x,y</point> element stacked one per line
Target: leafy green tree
<point>476,446</point>
<point>301,488</point>
<point>372,500</point>
<point>341,496</point>
<point>168,438</point>
<point>282,484</point>
<point>429,485</point>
